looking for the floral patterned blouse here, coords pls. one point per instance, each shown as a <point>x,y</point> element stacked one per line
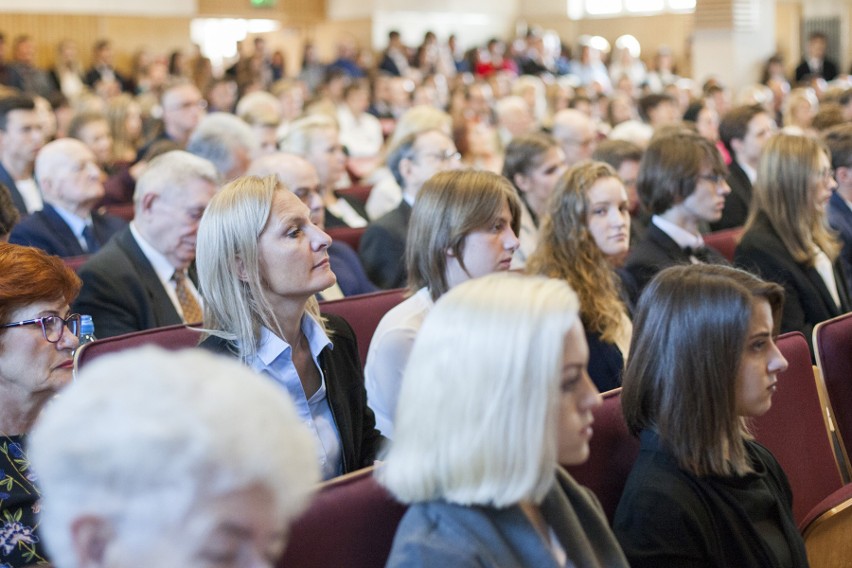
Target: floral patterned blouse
<point>19,506</point>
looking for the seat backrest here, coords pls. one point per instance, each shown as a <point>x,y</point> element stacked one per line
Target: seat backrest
<point>724,241</point>
<point>123,210</point>
<point>349,235</point>
<point>833,347</point>
<point>796,432</point>
<point>351,522</point>
<point>171,337</point>
<point>612,452</point>
<point>358,192</point>
<point>363,312</point>
<point>75,262</point>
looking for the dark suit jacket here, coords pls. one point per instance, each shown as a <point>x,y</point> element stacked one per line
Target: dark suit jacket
<point>347,267</point>
<point>93,75</point>
<point>658,251</point>
<point>840,218</point>
<point>48,231</point>
<point>121,291</point>
<point>17,198</point>
<point>606,363</point>
<point>382,248</point>
<point>828,71</point>
<point>807,301</point>
<point>347,396</point>
<point>738,201</point>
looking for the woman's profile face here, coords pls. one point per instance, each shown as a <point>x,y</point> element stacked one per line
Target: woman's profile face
<point>824,184</point>
<point>608,216</point>
<point>491,248</point>
<point>30,363</point>
<point>761,362</point>
<point>292,251</point>
<point>578,396</point>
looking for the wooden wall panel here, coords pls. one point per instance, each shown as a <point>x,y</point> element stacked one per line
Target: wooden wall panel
<point>48,30</point>
<point>285,10</point>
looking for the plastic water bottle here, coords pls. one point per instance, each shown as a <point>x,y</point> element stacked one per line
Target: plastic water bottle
<point>87,329</point>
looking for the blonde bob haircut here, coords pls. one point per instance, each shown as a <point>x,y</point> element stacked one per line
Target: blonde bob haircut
<point>784,191</point>
<point>481,429</point>
<point>450,206</point>
<point>235,308</point>
<point>567,250</point>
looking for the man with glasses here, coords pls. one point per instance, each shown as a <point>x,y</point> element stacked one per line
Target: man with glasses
<point>182,108</point>
<point>144,277</point>
<point>300,177</point>
<point>576,133</point>
<point>417,158</point>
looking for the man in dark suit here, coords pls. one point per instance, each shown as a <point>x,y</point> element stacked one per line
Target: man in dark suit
<point>21,138</point>
<point>744,131</point>
<point>682,183</point>
<point>395,58</point>
<point>143,277</point>
<point>70,181</point>
<point>815,63</point>
<point>839,141</point>
<point>415,160</point>
<point>102,70</point>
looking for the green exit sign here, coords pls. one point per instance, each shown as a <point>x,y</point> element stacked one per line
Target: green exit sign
<point>263,3</point>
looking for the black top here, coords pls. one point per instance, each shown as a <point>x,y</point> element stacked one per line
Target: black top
<point>670,517</point>
<point>737,202</point>
<point>347,396</point>
<point>382,248</point>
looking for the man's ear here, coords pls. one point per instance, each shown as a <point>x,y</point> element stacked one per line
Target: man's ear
<point>90,537</point>
<point>405,169</point>
<point>148,201</point>
<point>736,146</point>
<point>843,176</point>
<point>521,182</point>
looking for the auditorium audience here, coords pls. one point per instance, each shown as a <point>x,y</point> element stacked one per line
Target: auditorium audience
<point>260,262</point>
<point>37,337</point>
<point>21,138</point>
<point>463,226</point>
<point>70,182</point>
<point>479,438</point>
<point>682,184</point>
<point>702,492</point>
<point>414,161</point>
<point>744,131</point>
<point>145,276</point>
<point>187,460</point>
<point>534,163</point>
<point>786,237</point>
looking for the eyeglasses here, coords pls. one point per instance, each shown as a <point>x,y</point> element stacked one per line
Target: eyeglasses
<point>445,156</point>
<point>715,179</point>
<point>52,327</point>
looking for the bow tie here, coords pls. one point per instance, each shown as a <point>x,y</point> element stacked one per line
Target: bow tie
<point>700,253</point>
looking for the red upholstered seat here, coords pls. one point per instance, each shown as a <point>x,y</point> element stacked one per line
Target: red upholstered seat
<point>613,450</point>
<point>358,192</point>
<point>125,210</point>
<point>833,347</point>
<point>349,235</point>
<point>172,337</point>
<point>351,522</point>
<point>724,241</point>
<point>363,312</point>
<point>795,430</point>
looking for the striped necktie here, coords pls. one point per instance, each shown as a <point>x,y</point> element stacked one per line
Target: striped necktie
<point>188,303</point>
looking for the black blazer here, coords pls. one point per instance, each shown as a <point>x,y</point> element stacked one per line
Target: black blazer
<point>382,248</point>
<point>827,72</point>
<point>738,201</point>
<point>840,219</point>
<point>122,292</point>
<point>658,251</point>
<point>807,301</point>
<point>48,231</point>
<point>347,396</point>
<point>17,198</point>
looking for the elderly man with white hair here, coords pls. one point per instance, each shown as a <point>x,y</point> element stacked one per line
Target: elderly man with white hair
<point>225,140</point>
<point>144,277</point>
<point>70,181</point>
<point>576,133</point>
<point>300,177</point>
<point>188,460</point>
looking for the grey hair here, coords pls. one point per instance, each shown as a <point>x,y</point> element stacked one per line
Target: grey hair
<point>174,431</point>
<point>298,138</point>
<point>218,136</point>
<point>171,172</point>
<point>482,429</point>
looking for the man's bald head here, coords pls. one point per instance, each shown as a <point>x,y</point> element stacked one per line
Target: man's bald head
<point>69,176</point>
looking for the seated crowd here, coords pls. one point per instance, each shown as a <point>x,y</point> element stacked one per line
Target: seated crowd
<point>547,220</point>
